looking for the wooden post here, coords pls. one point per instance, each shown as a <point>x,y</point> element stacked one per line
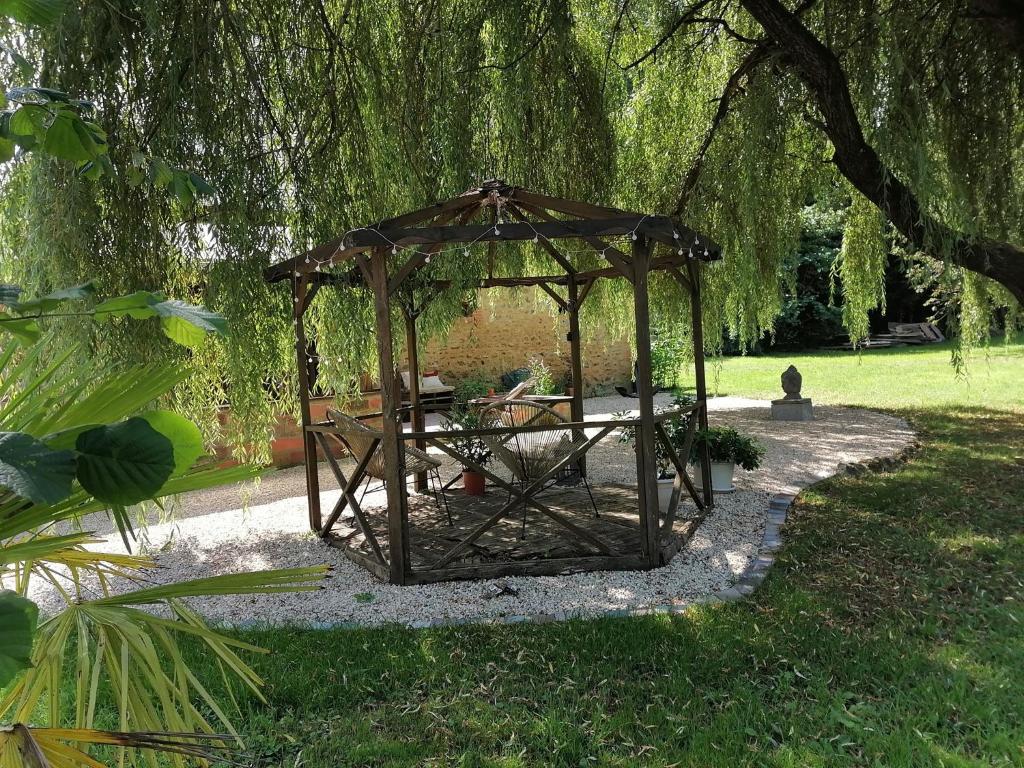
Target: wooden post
<point>391,402</point>
<point>300,286</point>
<point>693,269</point>
<point>576,356</point>
<point>646,462</point>
<point>413,358</point>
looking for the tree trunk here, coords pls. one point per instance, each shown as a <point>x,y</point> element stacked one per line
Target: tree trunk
<point>819,69</point>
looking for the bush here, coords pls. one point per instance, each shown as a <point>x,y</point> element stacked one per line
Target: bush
<point>725,444</point>
<point>471,388</point>
<point>544,381</point>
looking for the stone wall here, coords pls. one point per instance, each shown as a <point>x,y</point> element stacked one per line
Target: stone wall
<point>508,329</point>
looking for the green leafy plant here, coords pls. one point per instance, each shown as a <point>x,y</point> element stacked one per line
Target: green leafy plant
<point>472,387</point>
<point>544,382</point>
<point>667,348</point>
<point>463,418</point>
<point>78,439</point>
<point>725,444</point>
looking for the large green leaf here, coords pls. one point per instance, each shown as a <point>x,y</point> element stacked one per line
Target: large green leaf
<point>188,324</point>
<point>18,617</point>
<point>138,305</point>
<point>183,323</point>
<point>51,301</point>
<point>28,124</point>
<point>183,434</point>
<point>124,463</point>
<point>38,13</point>
<point>66,141</point>
<point>24,329</point>
<point>34,471</point>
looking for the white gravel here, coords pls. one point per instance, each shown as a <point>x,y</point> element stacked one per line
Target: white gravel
<point>213,533</point>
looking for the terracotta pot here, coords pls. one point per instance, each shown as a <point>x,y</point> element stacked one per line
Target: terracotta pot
<point>473,482</point>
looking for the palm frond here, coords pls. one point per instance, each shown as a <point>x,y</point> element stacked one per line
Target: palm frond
<point>60,747</point>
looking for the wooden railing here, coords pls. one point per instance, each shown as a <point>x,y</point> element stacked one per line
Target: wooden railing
<point>589,433</point>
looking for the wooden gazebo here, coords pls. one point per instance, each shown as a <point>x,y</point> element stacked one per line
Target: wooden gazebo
<point>383,256</point>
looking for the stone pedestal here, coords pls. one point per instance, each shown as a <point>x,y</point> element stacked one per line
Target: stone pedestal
<point>793,409</point>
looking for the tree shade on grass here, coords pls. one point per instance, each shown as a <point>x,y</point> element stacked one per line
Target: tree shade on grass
<point>888,633</point>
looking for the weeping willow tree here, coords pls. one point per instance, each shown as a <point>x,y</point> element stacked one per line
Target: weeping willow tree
<point>307,119</point>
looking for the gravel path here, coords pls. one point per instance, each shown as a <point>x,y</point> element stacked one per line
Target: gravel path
<point>212,533</point>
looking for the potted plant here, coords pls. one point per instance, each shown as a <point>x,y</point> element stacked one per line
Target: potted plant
<point>463,418</point>
<point>675,429</point>
<point>726,448</point>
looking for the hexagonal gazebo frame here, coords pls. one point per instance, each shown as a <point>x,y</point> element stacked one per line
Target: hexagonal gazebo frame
<point>546,221</point>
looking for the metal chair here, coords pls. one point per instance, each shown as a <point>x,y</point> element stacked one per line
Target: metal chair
<point>359,439</point>
<point>531,455</point>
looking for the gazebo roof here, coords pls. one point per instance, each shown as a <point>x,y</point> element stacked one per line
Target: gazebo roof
<point>534,216</point>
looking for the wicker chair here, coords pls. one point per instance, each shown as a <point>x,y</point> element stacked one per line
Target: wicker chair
<point>529,456</point>
<point>358,438</point>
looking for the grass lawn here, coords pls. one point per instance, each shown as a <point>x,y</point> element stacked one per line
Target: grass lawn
<point>890,632</point>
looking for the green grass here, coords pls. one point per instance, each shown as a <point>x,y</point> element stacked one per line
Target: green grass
<point>889,633</point>
<point>898,378</point>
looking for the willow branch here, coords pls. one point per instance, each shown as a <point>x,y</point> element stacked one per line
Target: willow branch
<point>819,69</point>
<point>688,17</point>
<point>732,87</point>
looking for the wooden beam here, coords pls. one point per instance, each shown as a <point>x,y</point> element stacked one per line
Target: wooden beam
<point>391,425</point>
<point>413,358</point>
<point>555,254</point>
<point>576,359</point>
<point>681,279</point>
<point>612,254</point>
<point>311,291</point>
<point>692,267</point>
<point>451,208</point>
<point>587,285</point>
<point>419,257</point>
<point>509,231</point>
<point>646,458</point>
<point>308,440</point>
<point>562,305</point>
<point>569,207</point>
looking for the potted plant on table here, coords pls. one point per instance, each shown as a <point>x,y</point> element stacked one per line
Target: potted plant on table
<point>464,418</point>
<point>726,448</point>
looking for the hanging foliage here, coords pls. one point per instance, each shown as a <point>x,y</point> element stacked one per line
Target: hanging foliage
<point>225,136</point>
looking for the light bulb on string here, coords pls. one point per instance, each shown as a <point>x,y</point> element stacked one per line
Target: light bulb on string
<point>675,235</point>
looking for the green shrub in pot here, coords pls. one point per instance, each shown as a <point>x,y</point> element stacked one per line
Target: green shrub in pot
<point>727,446</point>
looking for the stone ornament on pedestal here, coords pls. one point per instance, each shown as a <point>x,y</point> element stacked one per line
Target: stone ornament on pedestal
<point>792,407</point>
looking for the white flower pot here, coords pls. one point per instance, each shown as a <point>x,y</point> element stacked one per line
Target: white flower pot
<point>665,493</point>
<point>721,476</point>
